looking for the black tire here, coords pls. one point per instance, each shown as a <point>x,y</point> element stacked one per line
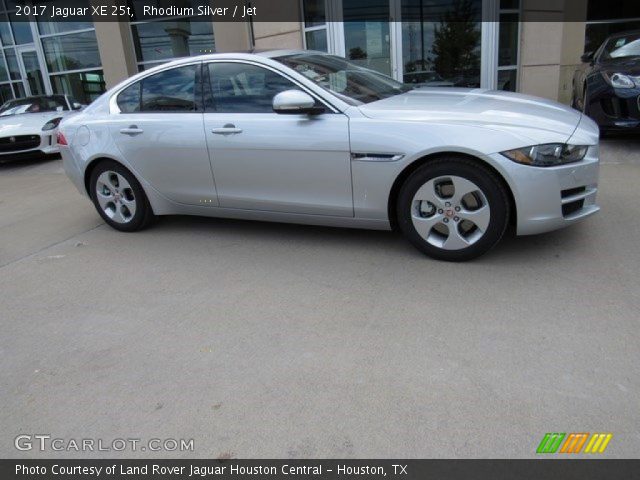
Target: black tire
<point>488,184</point>
<point>143,215</point>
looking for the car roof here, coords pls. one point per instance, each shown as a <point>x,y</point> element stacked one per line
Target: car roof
<point>240,55</point>
<point>42,96</point>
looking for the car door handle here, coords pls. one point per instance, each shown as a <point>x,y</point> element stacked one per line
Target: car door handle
<point>131,130</point>
<point>228,129</point>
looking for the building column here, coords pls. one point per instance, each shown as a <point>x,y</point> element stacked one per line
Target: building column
<point>550,47</point>
<point>231,37</point>
<point>278,35</point>
<point>116,51</point>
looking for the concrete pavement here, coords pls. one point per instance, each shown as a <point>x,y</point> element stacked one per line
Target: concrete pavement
<point>269,340</point>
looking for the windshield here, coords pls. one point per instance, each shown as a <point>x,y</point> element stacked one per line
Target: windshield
<point>34,105</point>
<point>350,82</point>
<point>621,47</point>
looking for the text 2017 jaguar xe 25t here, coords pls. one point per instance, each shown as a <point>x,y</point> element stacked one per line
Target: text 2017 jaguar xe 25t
<point>305,137</point>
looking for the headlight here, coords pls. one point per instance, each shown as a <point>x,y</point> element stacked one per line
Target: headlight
<point>618,80</point>
<point>51,124</point>
<point>547,155</point>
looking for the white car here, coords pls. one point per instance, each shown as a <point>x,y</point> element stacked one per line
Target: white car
<point>306,137</point>
<point>29,126</point>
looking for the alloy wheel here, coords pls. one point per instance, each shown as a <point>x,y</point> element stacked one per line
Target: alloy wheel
<point>450,212</point>
<point>115,197</point>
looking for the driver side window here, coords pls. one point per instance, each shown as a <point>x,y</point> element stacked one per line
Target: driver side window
<point>244,88</point>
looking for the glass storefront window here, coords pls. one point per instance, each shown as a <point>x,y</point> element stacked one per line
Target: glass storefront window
<point>71,52</point>
<point>18,90</point>
<point>47,27</point>
<point>21,29</point>
<point>507,79</point>
<point>314,13</point>
<point>51,28</point>
<point>5,30</point>
<point>509,4</point>
<point>4,74</point>
<point>316,40</point>
<point>163,40</point>
<point>12,63</point>
<point>367,43</point>
<point>6,93</point>
<point>441,42</point>
<point>508,42</point>
<point>83,87</point>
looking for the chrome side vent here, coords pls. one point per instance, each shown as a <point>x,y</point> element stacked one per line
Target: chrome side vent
<point>376,157</point>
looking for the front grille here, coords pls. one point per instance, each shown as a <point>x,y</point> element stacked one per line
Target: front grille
<point>572,207</point>
<point>572,191</point>
<point>19,142</point>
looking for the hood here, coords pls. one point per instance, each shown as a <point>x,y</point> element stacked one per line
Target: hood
<point>626,65</point>
<point>492,109</point>
<point>26,123</point>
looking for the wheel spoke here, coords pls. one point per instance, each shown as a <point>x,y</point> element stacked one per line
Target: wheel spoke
<point>130,204</point>
<point>427,192</point>
<point>113,193</point>
<point>455,241</point>
<point>116,215</point>
<point>122,183</point>
<point>103,199</point>
<point>461,187</point>
<point>479,217</point>
<point>424,225</point>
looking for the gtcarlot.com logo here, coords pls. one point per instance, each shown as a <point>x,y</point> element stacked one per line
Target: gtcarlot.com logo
<point>45,442</point>
<point>574,443</point>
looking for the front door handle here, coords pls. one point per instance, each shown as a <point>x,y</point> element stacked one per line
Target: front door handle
<point>131,130</point>
<point>228,129</point>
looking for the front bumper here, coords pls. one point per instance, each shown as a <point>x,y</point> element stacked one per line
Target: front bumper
<point>16,147</point>
<point>550,198</point>
<point>614,109</point>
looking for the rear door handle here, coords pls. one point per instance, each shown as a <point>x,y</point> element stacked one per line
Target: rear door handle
<point>131,130</point>
<point>228,129</point>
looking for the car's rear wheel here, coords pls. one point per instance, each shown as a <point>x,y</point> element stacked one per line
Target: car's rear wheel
<point>453,209</point>
<point>119,198</point>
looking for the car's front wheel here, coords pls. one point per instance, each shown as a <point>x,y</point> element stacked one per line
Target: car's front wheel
<point>119,197</point>
<point>453,209</point>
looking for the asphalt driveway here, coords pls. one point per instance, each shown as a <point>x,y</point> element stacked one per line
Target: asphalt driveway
<point>270,340</point>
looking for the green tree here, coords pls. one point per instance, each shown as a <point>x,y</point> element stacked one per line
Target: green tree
<point>455,49</point>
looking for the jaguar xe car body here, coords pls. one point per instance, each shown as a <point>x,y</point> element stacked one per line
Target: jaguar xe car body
<point>607,86</point>
<point>306,137</point>
<point>28,126</point>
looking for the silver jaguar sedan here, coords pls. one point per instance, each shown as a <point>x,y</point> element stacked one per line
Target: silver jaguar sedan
<point>306,137</point>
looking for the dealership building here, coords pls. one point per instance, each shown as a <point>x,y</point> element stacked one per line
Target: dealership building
<point>529,46</point>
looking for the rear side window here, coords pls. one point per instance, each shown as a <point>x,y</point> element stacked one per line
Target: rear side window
<point>244,88</point>
<point>129,99</point>
<point>170,91</point>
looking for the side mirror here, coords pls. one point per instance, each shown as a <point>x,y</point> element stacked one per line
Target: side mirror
<point>295,102</point>
<point>77,106</point>
<point>587,57</point>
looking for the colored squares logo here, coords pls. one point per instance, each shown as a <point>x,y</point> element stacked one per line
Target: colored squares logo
<point>574,443</point>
